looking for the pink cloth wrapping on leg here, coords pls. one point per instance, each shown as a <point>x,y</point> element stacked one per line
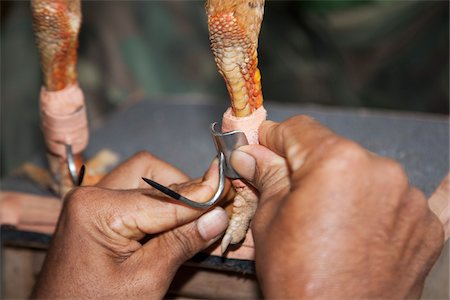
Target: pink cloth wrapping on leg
<point>250,126</point>
<point>64,120</point>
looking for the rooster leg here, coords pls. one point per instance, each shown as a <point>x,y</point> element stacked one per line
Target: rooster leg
<point>56,24</point>
<point>234,29</point>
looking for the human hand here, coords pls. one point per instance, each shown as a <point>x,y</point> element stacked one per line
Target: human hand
<point>29,212</point>
<point>98,248</point>
<point>334,220</point>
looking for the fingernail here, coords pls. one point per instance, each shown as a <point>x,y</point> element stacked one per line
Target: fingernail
<point>212,224</point>
<point>244,164</point>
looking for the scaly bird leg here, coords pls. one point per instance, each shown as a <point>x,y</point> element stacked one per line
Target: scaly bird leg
<point>56,24</point>
<point>234,27</point>
<point>63,119</point>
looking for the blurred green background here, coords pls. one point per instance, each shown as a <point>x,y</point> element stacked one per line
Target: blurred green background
<point>377,54</point>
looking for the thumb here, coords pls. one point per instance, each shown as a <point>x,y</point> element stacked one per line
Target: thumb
<point>146,211</point>
<point>263,168</point>
<point>182,243</point>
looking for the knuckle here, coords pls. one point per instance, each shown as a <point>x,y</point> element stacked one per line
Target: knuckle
<point>78,201</point>
<point>143,155</point>
<point>341,152</point>
<point>299,119</point>
<point>419,198</point>
<point>415,205</point>
<point>395,173</point>
<point>289,127</point>
<point>174,212</point>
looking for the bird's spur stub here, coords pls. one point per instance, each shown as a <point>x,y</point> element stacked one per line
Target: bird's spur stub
<point>226,143</point>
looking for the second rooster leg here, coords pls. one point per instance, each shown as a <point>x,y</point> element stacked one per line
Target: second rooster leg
<point>234,28</point>
<point>56,24</point>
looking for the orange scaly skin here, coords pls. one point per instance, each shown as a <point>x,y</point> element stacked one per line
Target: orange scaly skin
<point>234,27</point>
<point>56,24</point>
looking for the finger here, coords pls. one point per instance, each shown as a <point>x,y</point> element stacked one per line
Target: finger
<point>439,204</point>
<point>32,200</point>
<point>294,139</point>
<point>143,164</point>
<point>39,216</point>
<point>263,168</point>
<point>182,243</point>
<point>28,208</point>
<point>9,209</point>
<point>149,212</point>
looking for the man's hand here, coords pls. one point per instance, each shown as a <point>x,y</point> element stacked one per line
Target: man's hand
<point>334,220</point>
<point>98,249</point>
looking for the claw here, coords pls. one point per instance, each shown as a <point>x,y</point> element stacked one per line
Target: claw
<point>244,207</point>
<point>226,241</point>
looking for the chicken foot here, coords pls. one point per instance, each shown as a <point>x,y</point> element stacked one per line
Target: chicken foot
<point>234,27</point>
